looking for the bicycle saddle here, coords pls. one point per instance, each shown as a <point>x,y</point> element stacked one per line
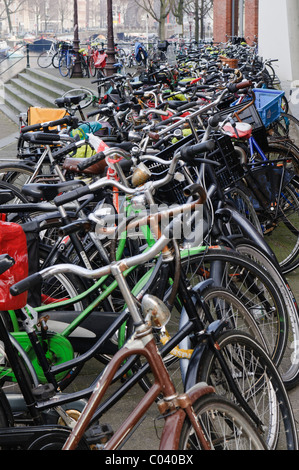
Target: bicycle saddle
<point>176,104</point>
<point>47,192</point>
<point>241,130</point>
<point>68,100</point>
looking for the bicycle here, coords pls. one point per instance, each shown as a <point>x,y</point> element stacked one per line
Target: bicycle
<point>31,437</point>
<point>169,345</point>
<point>45,59</point>
<point>66,61</point>
<point>64,364</point>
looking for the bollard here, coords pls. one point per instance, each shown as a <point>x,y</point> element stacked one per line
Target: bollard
<point>27,53</point>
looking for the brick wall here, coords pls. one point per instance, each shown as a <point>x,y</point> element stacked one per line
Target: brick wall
<point>251,19</point>
<point>223,19</point>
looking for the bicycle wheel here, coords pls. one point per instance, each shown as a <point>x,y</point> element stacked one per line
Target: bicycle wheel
<point>92,68</point>
<point>289,366</point>
<point>55,59</point>
<point>241,199</point>
<point>61,286</point>
<point>87,101</point>
<point>44,60</point>
<point>63,66</point>
<point>84,67</point>
<point>16,174</point>
<point>253,287</point>
<point>225,427</point>
<point>282,233</point>
<point>291,124</point>
<point>18,197</point>
<point>220,304</point>
<point>258,381</point>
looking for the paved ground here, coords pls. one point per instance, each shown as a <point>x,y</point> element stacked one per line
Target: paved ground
<point>145,436</point>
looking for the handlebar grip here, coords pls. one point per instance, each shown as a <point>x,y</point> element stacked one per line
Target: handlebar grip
<point>229,70</point>
<point>186,106</point>
<point>234,87</point>
<point>245,84</point>
<point>214,120</point>
<point>25,284</point>
<point>65,120</point>
<point>42,136</point>
<point>64,151</point>
<point>203,147</point>
<point>87,162</point>
<point>71,195</point>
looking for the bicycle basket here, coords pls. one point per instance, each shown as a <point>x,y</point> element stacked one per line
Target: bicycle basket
<point>231,169</point>
<point>268,104</point>
<point>172,192</point>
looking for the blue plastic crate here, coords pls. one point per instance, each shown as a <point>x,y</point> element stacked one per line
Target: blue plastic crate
<point>268,104</point>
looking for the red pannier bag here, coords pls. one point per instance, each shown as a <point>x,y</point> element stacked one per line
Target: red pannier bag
<point>13,242</point>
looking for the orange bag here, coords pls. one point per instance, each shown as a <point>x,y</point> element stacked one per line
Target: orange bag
<point>36,115</point>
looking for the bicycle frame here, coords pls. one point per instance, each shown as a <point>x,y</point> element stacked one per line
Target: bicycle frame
<point>179,406</point>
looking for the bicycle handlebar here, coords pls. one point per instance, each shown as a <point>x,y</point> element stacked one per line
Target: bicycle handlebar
<point>188,153</point>
<point>87,162</point>
<point>35,279</point>
<point>69,120</point>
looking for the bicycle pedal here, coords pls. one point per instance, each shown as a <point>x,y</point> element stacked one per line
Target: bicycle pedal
<point>43,392</point>
<point>99,434</point>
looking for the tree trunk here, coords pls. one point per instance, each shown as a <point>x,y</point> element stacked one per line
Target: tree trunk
<point>196,19</point>
<point>7,9</point>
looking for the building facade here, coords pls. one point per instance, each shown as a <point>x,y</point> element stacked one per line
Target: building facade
<point>236,18</point>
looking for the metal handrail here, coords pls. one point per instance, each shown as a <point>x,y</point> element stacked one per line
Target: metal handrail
<point>16,62</point>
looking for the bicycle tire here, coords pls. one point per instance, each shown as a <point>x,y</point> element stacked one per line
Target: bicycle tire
<point>90,97</point>
<point>44,60</point>
<point>63,66</point>
<point>55,59</point>
<point>289,366</point>
<point>258,381</point>
<point>222,305</point>
<point>18,197</point>
<point>240,196</point>
<point>92,68</point>
<point>16,174</point>
<point>251,284</point>
<point>280,226</point>
<point>62,286</point>
<point>220,420</point>
<point>285,243</point>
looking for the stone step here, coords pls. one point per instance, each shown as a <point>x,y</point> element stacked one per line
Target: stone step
<point>32,87</point>
<point>31,92</point>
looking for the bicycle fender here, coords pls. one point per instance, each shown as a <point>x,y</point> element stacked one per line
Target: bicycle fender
<point>192,372</point>
<point>174,422</point>
<point>185,343</point>
<point>247,228</point>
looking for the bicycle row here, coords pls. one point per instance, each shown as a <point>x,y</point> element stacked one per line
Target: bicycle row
<point>197,279</point>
